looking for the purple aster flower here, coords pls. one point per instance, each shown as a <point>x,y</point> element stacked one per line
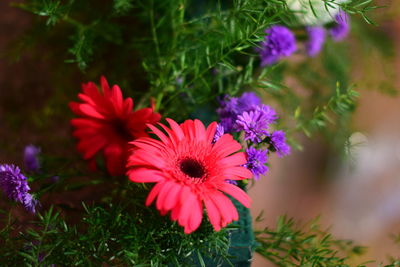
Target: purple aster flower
<point>278,141</point>
<point>342,27</point>
<point>316,39</point>
<point>247,101</point>
<point>31,160</point>
<point>255,123</point>
<point>256,160</point>
<point>279,42</point>
<point>268,113</point>
<point>15,186</point>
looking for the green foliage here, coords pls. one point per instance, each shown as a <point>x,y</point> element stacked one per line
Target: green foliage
<point>341,103</point>
<point>288,245</point>
<point>113,235</point>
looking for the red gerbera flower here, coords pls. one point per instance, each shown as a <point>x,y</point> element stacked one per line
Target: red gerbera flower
<point>190,170</point>
<point>108,123</point>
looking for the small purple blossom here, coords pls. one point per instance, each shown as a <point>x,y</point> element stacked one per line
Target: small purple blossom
<point>218,133</point>
<point>256,160</point>
<point>316,40</point>
<point>255,123</point>
<point>31,160</point>
<point>278,141</point>
<point>342,27</point>
<point>231,107</point>
<point>279,42</point>
<point>15,186</point>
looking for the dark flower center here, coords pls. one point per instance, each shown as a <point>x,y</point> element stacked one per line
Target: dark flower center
<point>121,129</point>
<point>192,168</point>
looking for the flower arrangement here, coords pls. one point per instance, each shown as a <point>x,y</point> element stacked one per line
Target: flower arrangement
<point>169,155</point>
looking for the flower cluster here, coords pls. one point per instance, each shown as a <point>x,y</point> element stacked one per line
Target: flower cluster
<point>254,120</point>
<point>280,41</point>
<point>15,185</point>
<point>231,107</point>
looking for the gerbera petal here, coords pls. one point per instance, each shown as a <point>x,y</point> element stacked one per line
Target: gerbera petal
<point>74,106</point>
<point>149,141</point>
<point>200,130</point>
<point>144,175</point>
<point>115,159</point>
<point>87,99</point>
<point>89,147</point>
<point>186,209</point>
<point>176,128</point>
<point>160,134</point>
<point>226,146</point>
<point>234,160</point>
<point>143,157</point>
<point>210,132</point>
<point>147,147</point>
<point>236,193</point>
<point>188,129</point>
<point>239,173</point>
<point>173,197</point>
<point>153,193</point>
<point>196,215</point>
<point>171,134</point>
<point>226,208</point>
<point>104,84</point>
<point>90,111</point>
<point>117,100</point>
<point>213,213</point>
<point>175,212</point>
<point>163,194</point>
<point>128,105</point>
<point>85,123</point>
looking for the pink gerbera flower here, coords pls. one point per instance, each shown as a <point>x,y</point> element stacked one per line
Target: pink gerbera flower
<point>190,170</point>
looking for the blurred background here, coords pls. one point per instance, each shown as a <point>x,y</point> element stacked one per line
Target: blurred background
<point>357,195</point>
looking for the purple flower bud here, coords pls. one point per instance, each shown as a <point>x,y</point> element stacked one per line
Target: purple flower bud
<point>342,27</point>
<point>31,160</point>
